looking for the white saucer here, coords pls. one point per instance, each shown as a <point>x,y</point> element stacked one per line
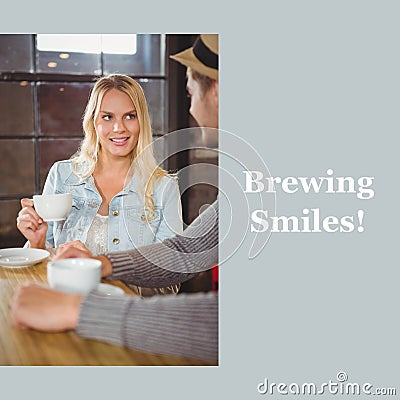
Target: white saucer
<point>21,257</point>
<point>109,290</point>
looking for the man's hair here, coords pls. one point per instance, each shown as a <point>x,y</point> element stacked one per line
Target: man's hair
<point>204,81</point>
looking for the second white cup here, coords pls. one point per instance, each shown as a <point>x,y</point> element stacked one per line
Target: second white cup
<point>74,275</point>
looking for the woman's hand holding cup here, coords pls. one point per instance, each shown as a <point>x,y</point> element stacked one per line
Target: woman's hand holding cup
<point>31,225</point>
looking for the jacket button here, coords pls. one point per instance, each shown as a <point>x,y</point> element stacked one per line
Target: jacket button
<point>115,213</point>
<point>116,241</point>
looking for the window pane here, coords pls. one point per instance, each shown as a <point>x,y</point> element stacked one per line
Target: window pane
<point>16,105</point>
<point>69,54</point>
<point>17,162</point>
<point>61,106</point>
<point>119,44</point>
<point>154,90</point>
<point>16,53</point>
<point>147,61</point>
<point>9,234</point>
<point>52,150</point>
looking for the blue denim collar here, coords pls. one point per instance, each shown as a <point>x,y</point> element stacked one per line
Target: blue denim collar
<point>75,180</point>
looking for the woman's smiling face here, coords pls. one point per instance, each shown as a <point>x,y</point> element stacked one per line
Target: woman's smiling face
<point>117,125</point>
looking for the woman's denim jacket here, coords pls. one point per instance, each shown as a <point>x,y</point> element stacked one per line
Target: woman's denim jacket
<point>127,225</point>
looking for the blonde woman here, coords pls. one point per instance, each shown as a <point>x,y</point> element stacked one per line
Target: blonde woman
<point>120,201</point>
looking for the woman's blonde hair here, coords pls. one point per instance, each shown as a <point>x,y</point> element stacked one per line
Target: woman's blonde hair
<point>84,161</point>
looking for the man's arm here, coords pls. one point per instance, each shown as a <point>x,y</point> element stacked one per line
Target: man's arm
<point>174,260</point>
<point>184,325</point>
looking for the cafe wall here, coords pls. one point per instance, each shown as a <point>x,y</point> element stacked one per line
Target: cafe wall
<point>43,92</point>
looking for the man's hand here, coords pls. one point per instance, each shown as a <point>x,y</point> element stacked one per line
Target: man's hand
<point>77,244</point>
<point>43,309</point>
<point>77,249</point>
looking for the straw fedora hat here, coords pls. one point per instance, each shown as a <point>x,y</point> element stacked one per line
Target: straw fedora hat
<point>202,56</point>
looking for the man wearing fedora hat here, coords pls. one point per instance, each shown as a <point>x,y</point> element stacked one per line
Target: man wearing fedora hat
<point>184,325</point>
<point>201,61</point>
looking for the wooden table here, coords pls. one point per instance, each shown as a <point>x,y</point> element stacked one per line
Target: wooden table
<point>28,347</point>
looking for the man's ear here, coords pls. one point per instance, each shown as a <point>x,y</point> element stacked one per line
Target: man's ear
<point>215,89</point>
<point>214,93</point>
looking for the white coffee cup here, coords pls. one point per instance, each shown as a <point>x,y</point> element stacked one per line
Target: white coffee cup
<point>53,207</point>
<point>74,275</point>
